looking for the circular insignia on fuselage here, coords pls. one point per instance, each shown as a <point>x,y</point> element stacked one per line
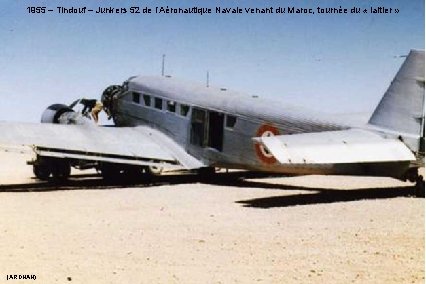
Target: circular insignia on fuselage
<point>262,153</point>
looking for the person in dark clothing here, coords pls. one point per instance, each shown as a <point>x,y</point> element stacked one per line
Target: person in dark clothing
<point>94,107</point>
<point>88,105</point>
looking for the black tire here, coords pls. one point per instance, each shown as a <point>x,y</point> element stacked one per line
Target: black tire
<point>61,170</point>
<point>133,174</point>
<point>207,174</point>
<point>420,187</point>
<point>111,172</point>
<point>42,172</point>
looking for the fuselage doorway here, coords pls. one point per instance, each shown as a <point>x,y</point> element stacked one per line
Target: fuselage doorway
<point>207,129</point>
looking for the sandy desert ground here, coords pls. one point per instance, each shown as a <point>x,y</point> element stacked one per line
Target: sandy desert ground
<point>256,230</point>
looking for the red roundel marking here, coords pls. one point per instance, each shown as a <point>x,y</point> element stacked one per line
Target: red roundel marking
<point>262,153</point>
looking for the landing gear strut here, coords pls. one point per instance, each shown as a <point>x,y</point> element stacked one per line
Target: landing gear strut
<point>412,175</point>
<point>420,187</point>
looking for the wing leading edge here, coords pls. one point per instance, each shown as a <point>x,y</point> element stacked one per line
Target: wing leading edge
<point>129,145</point>
<point>335,147</point>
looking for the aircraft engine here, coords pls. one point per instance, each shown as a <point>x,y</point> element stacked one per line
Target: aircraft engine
<point>108,99</point>
<point>54,113</point>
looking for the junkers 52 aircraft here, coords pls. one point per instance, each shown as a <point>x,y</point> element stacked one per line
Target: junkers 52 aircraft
<point>161,122</point>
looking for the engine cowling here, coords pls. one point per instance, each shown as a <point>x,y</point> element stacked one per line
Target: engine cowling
<point>108,98</point>
<point>54,112</point>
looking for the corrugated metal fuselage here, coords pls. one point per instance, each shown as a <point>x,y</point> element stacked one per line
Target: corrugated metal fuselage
<point>216,126</point>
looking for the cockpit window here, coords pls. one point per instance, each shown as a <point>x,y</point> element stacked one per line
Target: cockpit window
<point>184,109</point>
<point>147,100</point>
<point>158,104</point>
<point>230,121</point>
<point>136,97</point>
<point>171,106</point>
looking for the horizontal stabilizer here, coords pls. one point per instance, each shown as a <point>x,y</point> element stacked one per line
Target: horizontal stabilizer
<point>335,147</point>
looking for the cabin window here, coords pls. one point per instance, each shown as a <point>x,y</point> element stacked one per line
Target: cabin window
<point>136,97</point>
<point>184,109</point>
<point>158,104</point>
<point>230,121</point>
<point>147,100</point>
<point>171,106</point>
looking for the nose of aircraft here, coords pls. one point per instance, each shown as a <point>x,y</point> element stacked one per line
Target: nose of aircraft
<point>108,98</point>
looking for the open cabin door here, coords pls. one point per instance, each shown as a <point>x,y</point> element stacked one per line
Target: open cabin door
<point>215,130</point>
<point>207,129</point>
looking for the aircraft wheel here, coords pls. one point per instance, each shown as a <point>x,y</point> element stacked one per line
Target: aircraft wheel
<point>412,175</point>
<point>42,171</point>
<point>420,187</point>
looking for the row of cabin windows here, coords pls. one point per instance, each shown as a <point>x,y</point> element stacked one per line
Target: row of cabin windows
<point>171,107</point>
<point>158,103</point>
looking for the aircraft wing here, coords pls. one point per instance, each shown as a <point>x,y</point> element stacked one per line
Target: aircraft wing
<point>334,147</point>
<point>140,145</point>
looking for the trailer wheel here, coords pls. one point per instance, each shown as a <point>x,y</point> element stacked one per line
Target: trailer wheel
<point>42,171</point>
<point>110,172</point>
<point>61,170</point>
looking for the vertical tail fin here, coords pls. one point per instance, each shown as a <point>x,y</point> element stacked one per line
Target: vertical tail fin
<point>402,106</point>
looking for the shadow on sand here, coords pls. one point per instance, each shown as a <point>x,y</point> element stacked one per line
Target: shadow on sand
<point>96,182</point>
<point>318,195</point>
<point>234,179</point>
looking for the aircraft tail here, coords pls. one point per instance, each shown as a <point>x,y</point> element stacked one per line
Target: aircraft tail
<point>401,109</point>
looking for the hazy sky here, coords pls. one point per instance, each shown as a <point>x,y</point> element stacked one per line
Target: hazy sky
<point>335,63</point>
